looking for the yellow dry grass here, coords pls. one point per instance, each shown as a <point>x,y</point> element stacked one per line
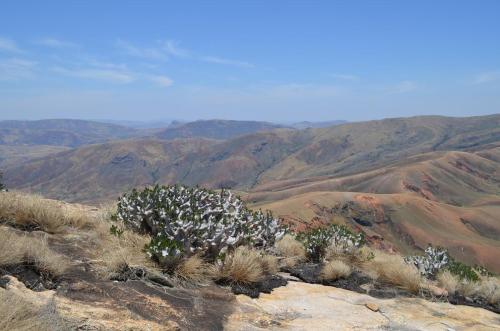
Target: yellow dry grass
<point>354,256</point>
<point>242,266</point>
<point>392,269</point>
<point>193,269</point>
<point>16,314</point>
<point>34,212</point>
<point>291,250</point>
<point>115,253</point>
<point>17,248</point>
<point>489,288</point>
<point>448,281</point>
<point>269,264</point>
<point>334,270</point>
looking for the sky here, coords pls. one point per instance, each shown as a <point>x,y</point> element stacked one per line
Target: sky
<point>281,61</point>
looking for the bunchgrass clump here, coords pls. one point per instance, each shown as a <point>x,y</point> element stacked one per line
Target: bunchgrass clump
<point>392,269</point>
<point>243,266</point>
<point>290,250</point>
<point>334,270</point>
<point>16,249</point>
<point>32,212</point>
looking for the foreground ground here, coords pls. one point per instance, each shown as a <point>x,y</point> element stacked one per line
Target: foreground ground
<point>85,295</point>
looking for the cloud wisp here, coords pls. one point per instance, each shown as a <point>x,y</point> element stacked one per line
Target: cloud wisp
<point>15,69</point>
<point>404,86</point>
<point>160,80</point>
<point>141,52</point>
<point>9,46</point>
<point>108,75</point>
<point>486,77</point>
<point>171,49</point>
<point>220,60</point>
<point>346,77</point>
<point>56,43</point>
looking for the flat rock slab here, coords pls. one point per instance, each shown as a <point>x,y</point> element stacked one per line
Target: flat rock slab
<point>302,306</point>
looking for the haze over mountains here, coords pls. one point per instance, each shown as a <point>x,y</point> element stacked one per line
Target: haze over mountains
<point>410,181</point>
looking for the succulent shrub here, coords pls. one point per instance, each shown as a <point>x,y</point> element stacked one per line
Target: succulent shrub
<point>317,240</point>
<point>184,221</point>
<point>437,259</point>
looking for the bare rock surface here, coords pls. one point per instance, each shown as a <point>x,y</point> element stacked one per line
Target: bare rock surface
<point>302,306</point>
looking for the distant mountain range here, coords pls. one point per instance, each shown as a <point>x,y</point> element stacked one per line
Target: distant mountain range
<point>215,129</point>
<point>409,180</point>
<point>60,132</point>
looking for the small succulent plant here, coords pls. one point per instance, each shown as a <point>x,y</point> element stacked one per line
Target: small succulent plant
<point>317,240</point>
<point>436,259</point>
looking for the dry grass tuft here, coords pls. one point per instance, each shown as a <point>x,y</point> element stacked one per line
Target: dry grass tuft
<point>16,314</point>
<point>17,249</point>
<point>355,256</point>
<point>29,211</point>
<point>269,264</point>
<point>448,281</point>
<point>334,270</point>
<point>243,266</point>
<point>468,288</point>
<point>193,269</point>
<point>392,269</point>
<point>489,288</point>
<point>291,249</point>
<point>116,253</point>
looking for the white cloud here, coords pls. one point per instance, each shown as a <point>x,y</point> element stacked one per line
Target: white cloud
<point>55,43</point>
<point>8,45</point>
<point>16,69</point>
<point>109,75</point>
<point>172,48</point>
<point>486,77</point>
<point>161,80</point>
<point>220,60</point>
<point>348,77</point>
<point>402,87</point>
<point>146,53</point>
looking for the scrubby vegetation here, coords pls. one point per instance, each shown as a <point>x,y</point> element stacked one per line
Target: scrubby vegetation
<point>317,241</point>
<point>185,237</point>
<point>185,221</point>
<point>196,234</point>
<point>437,259</point>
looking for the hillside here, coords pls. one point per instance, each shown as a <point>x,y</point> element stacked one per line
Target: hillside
<point>256,159</point>
<point>60,132</point>
<point>409,180</point>
<point>215,129</point>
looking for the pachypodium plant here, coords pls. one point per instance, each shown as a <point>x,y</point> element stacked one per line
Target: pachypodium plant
<point>184,221</point>
<point>316,241</point>
<point>429,264</point>
<point>437,259</point>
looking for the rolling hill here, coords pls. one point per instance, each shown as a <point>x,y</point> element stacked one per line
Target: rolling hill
<point>215,129</point>
<point>409,180</point>
<point>60,132</point>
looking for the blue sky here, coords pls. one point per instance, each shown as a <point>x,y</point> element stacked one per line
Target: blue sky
<point>263,60</point>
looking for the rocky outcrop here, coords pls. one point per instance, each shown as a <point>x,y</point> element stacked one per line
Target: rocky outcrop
<point>301,306</point>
